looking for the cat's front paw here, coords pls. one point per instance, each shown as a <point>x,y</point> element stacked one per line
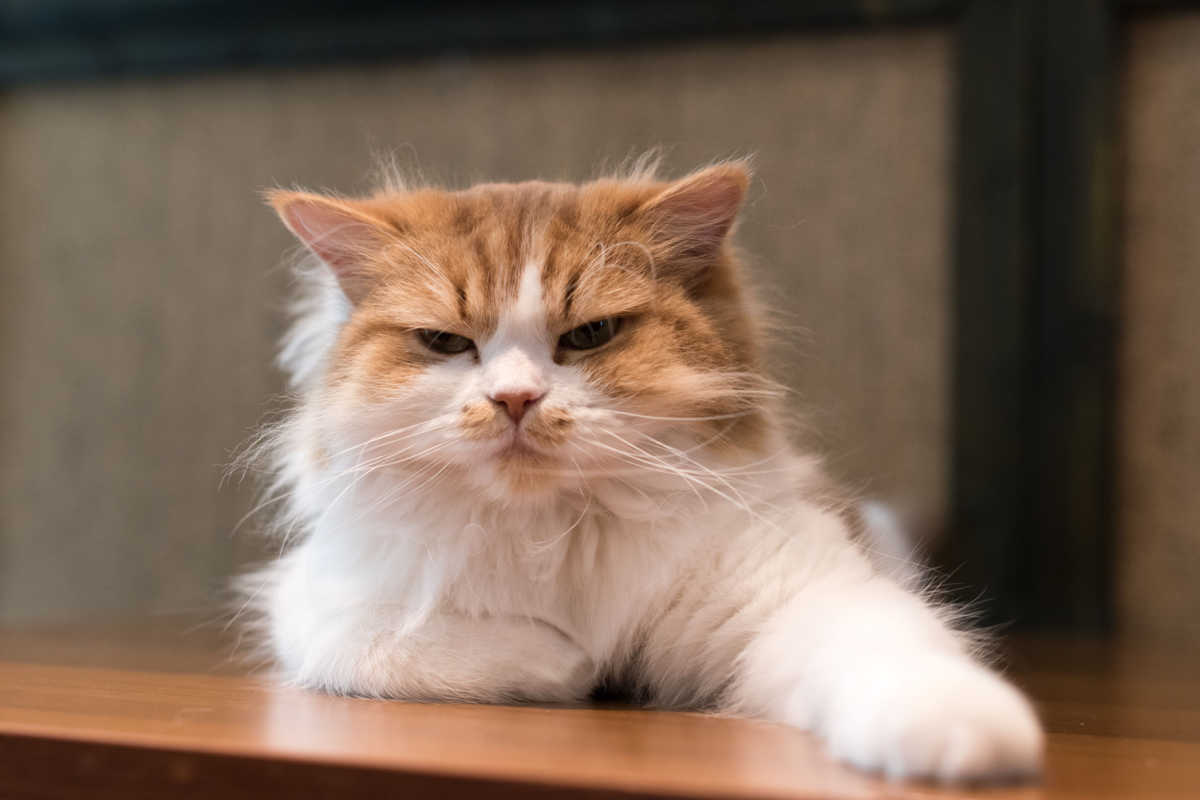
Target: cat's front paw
<point>941,719</point>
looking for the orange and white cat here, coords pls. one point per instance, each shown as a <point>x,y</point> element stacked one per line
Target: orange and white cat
<point>534,452</point>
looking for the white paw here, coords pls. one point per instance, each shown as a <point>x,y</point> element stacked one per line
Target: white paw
<point>562,673</point>
<point>937,718</point>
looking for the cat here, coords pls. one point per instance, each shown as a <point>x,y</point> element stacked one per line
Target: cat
<point>534,452</point>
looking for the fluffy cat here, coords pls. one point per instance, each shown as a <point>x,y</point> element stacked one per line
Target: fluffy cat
<point>534,452</point>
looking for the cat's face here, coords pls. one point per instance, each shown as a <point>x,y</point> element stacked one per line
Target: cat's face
<point>534,336</point>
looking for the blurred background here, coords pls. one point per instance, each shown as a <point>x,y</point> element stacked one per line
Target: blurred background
<point>978,219</point>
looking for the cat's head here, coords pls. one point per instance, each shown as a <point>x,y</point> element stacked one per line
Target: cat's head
<point>532,337</point>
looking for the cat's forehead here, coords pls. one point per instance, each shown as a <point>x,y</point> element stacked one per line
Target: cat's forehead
<point>556,209</point>
<point>491,240</point>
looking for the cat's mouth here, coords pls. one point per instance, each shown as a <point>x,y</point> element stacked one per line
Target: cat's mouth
<point>518,450</point>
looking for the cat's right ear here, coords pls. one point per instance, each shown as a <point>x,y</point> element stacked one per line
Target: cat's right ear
<point>344,238</point>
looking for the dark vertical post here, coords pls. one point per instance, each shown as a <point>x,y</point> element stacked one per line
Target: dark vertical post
<point>1034,312</point>
<point>993,260</point>
<point>1067,585</point>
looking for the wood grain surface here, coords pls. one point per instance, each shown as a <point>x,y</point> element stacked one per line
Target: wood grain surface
<point>160,708</point>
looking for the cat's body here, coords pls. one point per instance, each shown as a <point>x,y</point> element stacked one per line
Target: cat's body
<point>534,453</point>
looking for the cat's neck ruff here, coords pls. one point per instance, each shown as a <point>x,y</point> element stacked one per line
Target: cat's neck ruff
<point>440,515</point>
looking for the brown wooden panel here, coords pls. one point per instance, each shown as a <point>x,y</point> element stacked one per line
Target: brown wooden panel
<point>1158,563</point>
<point>140,710</point>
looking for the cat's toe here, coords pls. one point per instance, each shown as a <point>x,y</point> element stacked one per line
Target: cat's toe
<point>953,747</point>
<point>957,724</point>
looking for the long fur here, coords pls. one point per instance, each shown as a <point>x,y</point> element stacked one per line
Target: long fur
<point>657,532</point>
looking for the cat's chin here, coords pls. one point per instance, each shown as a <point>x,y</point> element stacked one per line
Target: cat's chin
<point>519,453</point>
<point>519,471</point>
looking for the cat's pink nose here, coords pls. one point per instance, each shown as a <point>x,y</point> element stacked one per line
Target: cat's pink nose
<point>516,402</point>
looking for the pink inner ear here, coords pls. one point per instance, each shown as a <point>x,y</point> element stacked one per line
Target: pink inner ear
<point>700,210</point>
<point>342,238</point>
<point>336,236</point>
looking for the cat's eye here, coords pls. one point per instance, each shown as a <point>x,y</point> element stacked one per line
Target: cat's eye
<point>590,335</point>
<point>442,342</point>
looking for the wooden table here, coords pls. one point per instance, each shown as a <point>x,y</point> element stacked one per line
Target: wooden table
<point>156,709</point>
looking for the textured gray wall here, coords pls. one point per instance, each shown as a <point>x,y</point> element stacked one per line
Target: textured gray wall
<point>140,305</point>
<point>1158,563</point>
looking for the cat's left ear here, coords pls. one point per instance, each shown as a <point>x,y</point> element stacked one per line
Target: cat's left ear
<point>693,216</point>
<point>347,239</point>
